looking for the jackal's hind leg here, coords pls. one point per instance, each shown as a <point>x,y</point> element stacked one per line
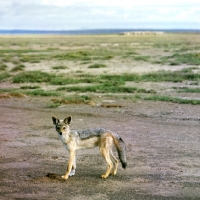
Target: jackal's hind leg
<point>115,162</point>
<point>105,154</point>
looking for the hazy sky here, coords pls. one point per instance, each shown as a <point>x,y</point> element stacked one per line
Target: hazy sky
<point>91,14</point>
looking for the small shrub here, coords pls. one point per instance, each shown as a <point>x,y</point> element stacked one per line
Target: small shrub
<point>35,61</point>
<point>42,93</point>
<point>7,58</point>
<point>60,67</point>
<point>60,80</point>
<point>4,76</point>
<point>131,53</point>
<point>3,67</point>
<point>16,62</point>
<point>18,68</point>
<point>97,66</point>
<point>29,87</point>
<point>142,58</point>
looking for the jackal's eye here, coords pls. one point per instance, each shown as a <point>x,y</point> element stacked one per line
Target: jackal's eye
<point>64,128</point>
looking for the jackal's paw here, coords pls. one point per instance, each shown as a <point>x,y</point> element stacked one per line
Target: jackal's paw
<point>104,176</point>
<point>72,173</point>
<point>113,173</point>
<point>64,177</point>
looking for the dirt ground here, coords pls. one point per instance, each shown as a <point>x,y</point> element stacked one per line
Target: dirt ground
<point>162,144</point>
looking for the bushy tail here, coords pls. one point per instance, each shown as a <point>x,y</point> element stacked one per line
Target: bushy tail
<point>121,149</point>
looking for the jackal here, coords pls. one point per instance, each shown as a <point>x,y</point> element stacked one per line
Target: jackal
<point>85,139</point>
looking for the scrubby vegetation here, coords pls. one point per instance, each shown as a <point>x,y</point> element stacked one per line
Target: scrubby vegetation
<point>65,64</point>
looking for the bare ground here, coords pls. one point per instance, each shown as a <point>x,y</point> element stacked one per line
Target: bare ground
<point>162,143</point>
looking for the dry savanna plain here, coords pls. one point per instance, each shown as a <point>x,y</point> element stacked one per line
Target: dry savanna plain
<point>144,87</point>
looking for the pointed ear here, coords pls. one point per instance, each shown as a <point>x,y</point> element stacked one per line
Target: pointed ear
<point>55,120</point>
<point>68,120</point>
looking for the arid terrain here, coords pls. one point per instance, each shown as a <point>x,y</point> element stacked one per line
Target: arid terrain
<point>158,118</point>
<point>162,147</point>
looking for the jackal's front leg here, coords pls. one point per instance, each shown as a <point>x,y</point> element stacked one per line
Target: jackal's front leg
<point>70,163</point>
<point>72,173</point>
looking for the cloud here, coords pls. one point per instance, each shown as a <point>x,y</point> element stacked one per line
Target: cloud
<point>75,14</point>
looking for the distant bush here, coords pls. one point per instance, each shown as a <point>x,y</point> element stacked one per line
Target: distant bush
<point>59,67</point>
<point>97,66</point>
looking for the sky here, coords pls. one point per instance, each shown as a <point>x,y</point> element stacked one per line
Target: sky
<point>99,14</point>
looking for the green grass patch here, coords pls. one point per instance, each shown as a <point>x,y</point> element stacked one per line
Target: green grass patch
<point>106,79</point>
<point>161,76</point>
<point>19,51</point>
<point>74,55</point>
<point>97,66</point>
<point>34,58</point>
<point>189,90</point>
<point>4,76</point>
<point>39,77</point>
<point>3,67</point>
<point>6,58</point>
<point>142,58</point>
<point>32,77</point>
<point>29,87</point>
<point>40,92</point>
<point>18,68</point>
<point>62,80</point>
<point>187,58</point>
<point>16,62</point>
<point>130,53</point>
<point>107,87</point>
<point>172,99</point>
<point>60,67</point>
<point>85,55</point>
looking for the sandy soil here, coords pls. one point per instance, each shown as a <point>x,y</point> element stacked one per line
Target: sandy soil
<point>162,142</point>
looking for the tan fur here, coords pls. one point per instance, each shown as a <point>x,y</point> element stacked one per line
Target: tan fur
<point>91,138</point>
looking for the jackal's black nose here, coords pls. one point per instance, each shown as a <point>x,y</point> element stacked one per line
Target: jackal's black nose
<point>60,133</point>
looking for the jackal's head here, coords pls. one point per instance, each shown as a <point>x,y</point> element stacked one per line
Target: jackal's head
<point>62,126</point>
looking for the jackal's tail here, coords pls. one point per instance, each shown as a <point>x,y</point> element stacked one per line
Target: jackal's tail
<point>121,149</point>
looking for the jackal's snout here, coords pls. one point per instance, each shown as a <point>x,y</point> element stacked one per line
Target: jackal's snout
<point>58,129</point>
<point>59,132</point>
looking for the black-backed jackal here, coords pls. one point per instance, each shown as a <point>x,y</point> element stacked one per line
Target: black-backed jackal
<point>85,139</point>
